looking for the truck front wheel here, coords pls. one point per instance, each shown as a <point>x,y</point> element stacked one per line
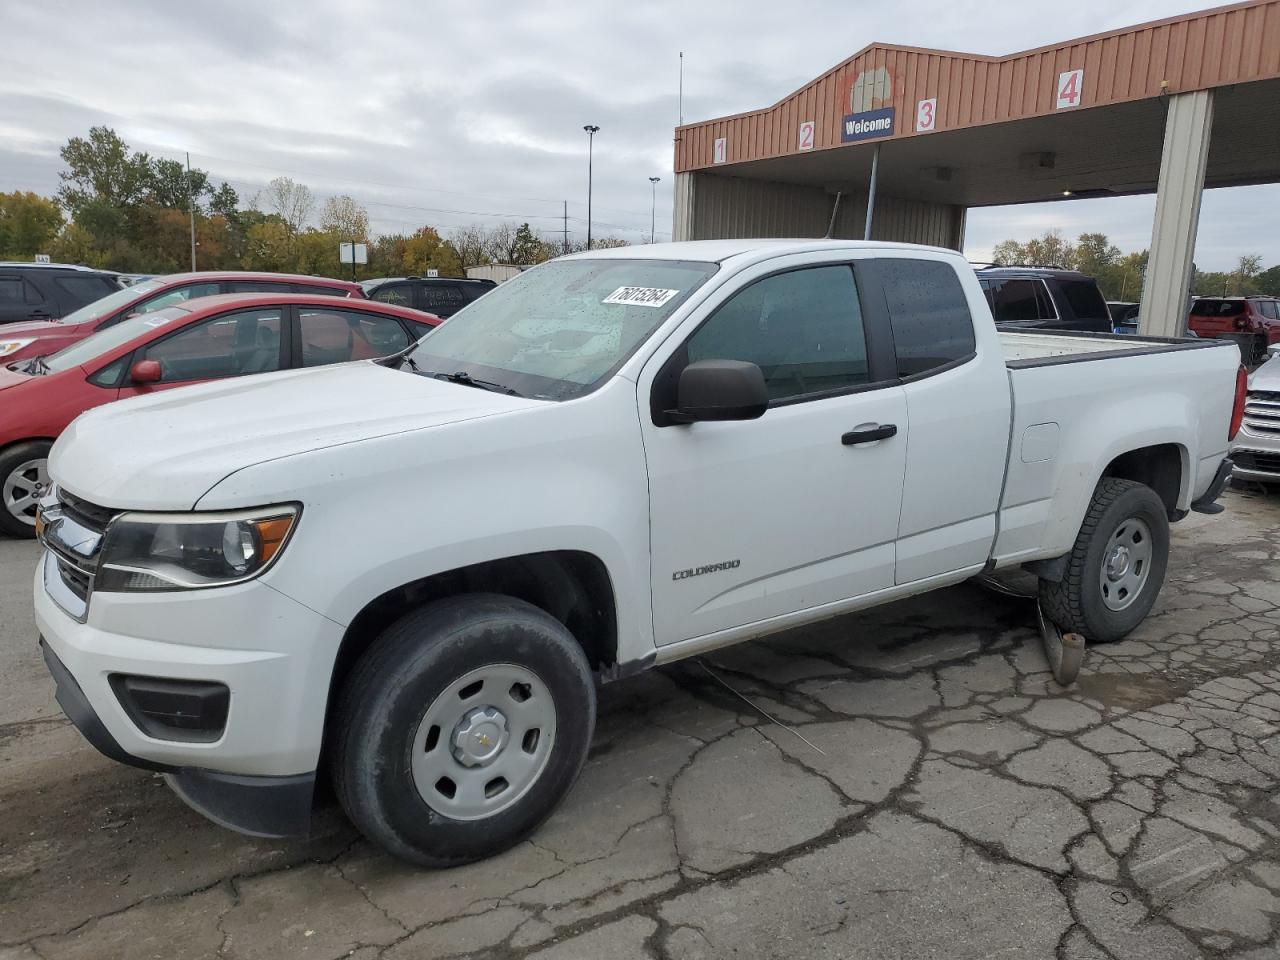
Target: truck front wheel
<point>461,728</point>
<point>1117,566</point>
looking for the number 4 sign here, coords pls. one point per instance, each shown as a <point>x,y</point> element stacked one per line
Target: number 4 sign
<point>806,135</point>
<point>926,115</point>
<point>1070,85</point>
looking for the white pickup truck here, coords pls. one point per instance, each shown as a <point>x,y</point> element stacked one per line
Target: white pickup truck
<point>408,574</point>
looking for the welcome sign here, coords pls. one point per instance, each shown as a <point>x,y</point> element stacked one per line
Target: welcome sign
<point>867,125</point>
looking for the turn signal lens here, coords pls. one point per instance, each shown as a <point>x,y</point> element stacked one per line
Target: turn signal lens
<point>271,534</point>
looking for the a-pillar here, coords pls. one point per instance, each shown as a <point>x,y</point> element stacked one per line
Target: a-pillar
<point>1173,235</point>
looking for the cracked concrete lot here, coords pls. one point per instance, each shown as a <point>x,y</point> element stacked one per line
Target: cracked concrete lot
<point>934,795</point>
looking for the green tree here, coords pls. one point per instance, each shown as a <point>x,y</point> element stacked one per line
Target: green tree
<point>29,223</point>
<point>171,185</point>
<point>345,218</point>
<point>1268,281</point>
<point>102,169</point>
<point>427,250</point>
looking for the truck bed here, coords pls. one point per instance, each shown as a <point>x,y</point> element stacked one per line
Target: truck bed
<point>1035,349</point>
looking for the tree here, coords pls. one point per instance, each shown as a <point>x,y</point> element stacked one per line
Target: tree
<point>28,224</point>
<point>292,202</point>
<point>609,243</point>
<point>527,248</point>
<point>102,169</point>
<point>426,250</point>
<point>268,245</point>
<point>345,218</point>
<point>472,244</point>
<point>225,202</point>
<point>1268,282</point>
<point>171,184</point>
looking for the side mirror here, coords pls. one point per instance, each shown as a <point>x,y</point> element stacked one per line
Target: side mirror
<point>720,390</point>
<point>145,371</point>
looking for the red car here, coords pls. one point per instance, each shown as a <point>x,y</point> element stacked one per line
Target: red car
<point>19,341</point>
<point>1253,322</point>
<point>214,338</point>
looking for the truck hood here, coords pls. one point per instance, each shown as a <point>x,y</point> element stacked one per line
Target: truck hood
<point>1267,376</point>
<point>165,450</point>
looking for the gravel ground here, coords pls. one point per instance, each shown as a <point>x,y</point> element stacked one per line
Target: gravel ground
<point>924,790</point>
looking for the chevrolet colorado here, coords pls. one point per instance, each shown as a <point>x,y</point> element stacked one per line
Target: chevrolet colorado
<point>407,575</point>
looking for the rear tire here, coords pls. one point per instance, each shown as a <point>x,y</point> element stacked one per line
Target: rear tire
<point>1116,567</point>
<point>24,479</point>
<point>461,728</point>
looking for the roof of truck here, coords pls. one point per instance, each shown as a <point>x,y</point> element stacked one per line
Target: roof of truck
<point>718,251</point>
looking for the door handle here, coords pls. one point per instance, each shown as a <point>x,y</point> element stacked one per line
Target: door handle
<point>882,431</point>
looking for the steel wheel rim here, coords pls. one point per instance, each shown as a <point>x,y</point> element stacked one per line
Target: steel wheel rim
<point>23,488</point>
<point>1126,564</point>
<point>484,741</point>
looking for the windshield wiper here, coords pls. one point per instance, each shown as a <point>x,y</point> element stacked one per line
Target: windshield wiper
<point>36,366</point>
<point>469,381</point>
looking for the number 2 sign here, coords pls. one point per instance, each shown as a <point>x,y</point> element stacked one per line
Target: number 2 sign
<point>1070,85</point>
<point>806,135</point>
<point>926,115</point>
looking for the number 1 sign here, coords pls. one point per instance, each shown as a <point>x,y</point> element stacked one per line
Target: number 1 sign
<point>1070,85</point>
<point>721,150</point>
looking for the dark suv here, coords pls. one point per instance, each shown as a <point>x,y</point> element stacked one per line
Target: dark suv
<point>443,296</point>
<point>1044,298</point>
<point>42,291</point>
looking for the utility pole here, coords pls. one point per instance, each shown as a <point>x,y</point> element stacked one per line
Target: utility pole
<point>191,208</point>
<point>592,130</point>
<point>653,207</point>
<point>566,226</point>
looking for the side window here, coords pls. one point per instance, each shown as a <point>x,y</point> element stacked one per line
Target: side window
<point>85,289</point>
<point>230,345</point>
<point>1044,301</point>
<point>11,290</point>
<point>336,336</point>
<point>397,293</point>
<point>1271,309</point>
<point>320,291</point>
<point>1015,301</point>
<point>803,329</point>
<point>255,286</point>
<point>443,299</point>
<point>928,313</point>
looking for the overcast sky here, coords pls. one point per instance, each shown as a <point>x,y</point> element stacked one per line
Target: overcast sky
<point>446,114</point>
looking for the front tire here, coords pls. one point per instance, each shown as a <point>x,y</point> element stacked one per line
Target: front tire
<point>461,728</point>
<point>24,479</point>
<point>1117,566</point>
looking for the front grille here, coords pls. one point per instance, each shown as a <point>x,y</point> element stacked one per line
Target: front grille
<point>1262,412</point>
<point>87,514</point>
<point>75,579</point>
<point>1257,460</point>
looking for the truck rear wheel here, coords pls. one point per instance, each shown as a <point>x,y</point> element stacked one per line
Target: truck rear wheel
<point>1117,566</point>
<point>461,728</point>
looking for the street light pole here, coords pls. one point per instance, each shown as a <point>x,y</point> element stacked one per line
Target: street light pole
<point>653,208</point>
<point>592,130</point>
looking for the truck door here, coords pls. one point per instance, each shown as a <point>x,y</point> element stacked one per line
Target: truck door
<point>957,393</point>
<point>756,519</point>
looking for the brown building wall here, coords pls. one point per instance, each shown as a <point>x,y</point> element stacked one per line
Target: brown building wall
<point>1225,45</point>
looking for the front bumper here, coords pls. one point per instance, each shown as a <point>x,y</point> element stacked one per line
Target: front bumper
<point>272,653</point>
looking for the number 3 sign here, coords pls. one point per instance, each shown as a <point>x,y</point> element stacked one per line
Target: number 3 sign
<point>926,115</point>
<point>1070,85</point>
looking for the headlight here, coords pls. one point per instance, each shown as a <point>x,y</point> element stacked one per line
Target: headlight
<point>187,551</point>
<point>9,347</point>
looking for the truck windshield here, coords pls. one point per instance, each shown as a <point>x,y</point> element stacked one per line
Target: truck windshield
<point>557,331</point>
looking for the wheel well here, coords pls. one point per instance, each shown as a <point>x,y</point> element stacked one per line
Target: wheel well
<point>572,586</point>
<point>1159,467</point>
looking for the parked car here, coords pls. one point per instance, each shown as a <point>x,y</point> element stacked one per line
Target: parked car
<point>1252,322</point>
<point>206,339</point>
<point>1044,298</point>
<point>1124,316</point>
<point>443,296</point>
<point>617,459</point>
<point>19,341</point>
<point>1256,448</point>
<point>41,291</point>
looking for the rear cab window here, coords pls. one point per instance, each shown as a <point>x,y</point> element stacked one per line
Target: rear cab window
<point>928,315</point>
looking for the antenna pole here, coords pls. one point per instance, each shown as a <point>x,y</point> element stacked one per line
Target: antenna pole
<point>831,227</point>
<point>680,94</point>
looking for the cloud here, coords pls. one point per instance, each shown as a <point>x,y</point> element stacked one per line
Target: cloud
<point>447,114</point>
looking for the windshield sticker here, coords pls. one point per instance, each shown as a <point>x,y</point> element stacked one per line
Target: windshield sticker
<point>156,321</point>
<point>640,296</point>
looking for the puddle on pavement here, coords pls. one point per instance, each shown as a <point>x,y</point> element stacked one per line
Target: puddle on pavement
<point>1132,691</point>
